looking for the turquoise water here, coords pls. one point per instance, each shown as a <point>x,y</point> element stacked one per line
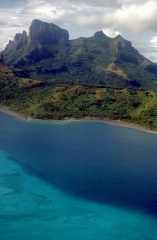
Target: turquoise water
<point>76,180</point>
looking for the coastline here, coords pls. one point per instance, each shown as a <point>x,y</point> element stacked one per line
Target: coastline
<point>6,109</point>
<point>120,123</point>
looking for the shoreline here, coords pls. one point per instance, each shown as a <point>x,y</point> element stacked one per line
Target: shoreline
<point>6,109</point>
<point>120,123</point>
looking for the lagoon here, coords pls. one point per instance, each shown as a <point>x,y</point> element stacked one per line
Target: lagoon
<point>76,180</point>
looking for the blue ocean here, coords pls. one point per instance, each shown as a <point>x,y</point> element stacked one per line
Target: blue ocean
<point>78,180</point>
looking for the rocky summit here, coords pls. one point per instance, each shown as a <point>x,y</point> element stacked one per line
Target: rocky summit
<point>45,33</point>
<point>20,40</point>
<point>47,54</point>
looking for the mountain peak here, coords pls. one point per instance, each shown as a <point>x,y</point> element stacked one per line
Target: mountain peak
<point>100,35</point>
<point>119,37</point>
<point>46,33</point>
<point>120,43</point>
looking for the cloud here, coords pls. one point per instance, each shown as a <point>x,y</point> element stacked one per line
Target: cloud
<point>3,23</point>
<point>154,42</point>
<point>135,17</point>
<point>93,3</point>
<point>100,3</point>
<point>111,33</point>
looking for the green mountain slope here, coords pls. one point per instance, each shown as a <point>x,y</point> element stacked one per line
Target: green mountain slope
<point>48,55</point>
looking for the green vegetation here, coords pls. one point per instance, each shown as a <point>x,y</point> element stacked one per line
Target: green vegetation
<point>63,101</point>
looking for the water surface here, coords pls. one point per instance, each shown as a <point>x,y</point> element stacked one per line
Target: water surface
<point>76,180</point>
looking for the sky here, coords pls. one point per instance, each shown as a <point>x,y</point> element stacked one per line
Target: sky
<point>134,20</point>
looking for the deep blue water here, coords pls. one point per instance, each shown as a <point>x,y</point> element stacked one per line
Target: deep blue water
<point>88,165</point>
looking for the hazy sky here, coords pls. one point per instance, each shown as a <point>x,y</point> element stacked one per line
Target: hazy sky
<point>135,20</point>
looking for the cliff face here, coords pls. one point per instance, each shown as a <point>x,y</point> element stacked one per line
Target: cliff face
<point>46,33</point>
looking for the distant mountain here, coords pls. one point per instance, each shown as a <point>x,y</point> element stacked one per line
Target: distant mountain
<point>47,54</point>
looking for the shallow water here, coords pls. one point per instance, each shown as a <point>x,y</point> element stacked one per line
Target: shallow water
<point>78,180</point>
